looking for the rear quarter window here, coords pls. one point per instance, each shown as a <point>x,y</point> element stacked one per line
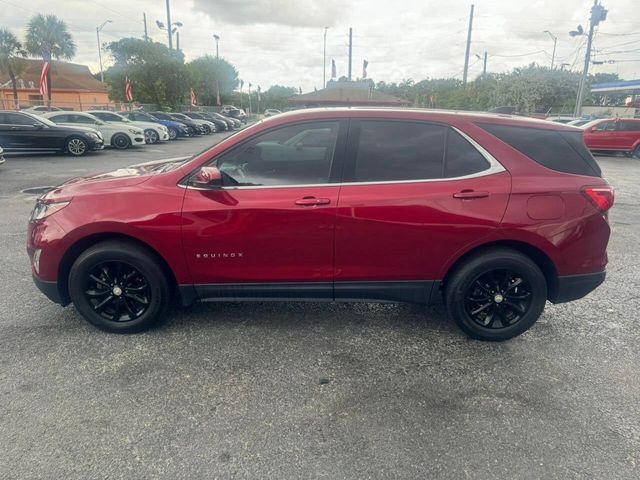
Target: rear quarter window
<point>559,150</point>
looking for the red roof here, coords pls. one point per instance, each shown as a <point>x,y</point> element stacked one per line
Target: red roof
<point>64,76</point>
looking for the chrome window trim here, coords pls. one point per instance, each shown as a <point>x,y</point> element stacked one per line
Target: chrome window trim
<point>494,167</point>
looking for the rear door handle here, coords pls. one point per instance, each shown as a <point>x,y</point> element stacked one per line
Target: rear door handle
<point>311,201</point>
<point>468,194</point>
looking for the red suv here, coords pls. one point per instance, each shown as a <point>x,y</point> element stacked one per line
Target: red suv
<point>614,135</point>
<point>493,214</point>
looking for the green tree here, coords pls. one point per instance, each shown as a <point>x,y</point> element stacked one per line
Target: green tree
<point>209,74</point>
<point>277,96</point>
<point>48,37</point>
<point>10,51</point>
<point>158,75</point>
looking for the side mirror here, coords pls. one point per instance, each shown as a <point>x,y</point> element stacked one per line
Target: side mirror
<point>38,126</point>
<point>207,177</point>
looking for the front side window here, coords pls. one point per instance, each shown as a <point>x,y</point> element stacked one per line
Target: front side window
<point>82,119</point>
<point>606,127</point>
<point>393,150</point>
<point>299,154</point>
<point>17,119</point>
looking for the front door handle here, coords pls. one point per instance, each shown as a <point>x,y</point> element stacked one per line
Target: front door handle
<point>469,194</point>
<point>311,201</point>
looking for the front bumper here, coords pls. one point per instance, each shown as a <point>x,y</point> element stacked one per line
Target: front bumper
<point>573,287</point>
<point>50,290</point>
<point>96,145</point>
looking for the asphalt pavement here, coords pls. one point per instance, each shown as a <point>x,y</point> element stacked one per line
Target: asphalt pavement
<point>314,390</point>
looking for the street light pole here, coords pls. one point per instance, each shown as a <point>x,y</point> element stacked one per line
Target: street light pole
<point>217,38</point>
<point>555,41</point>
<point>324,60</point>
<point>169,25</point>
<point>98,28</point>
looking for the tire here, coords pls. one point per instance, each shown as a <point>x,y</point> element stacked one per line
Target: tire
<point>151,136</point>
<point>120,141</point>
<point>207,129</point>
<point>496,295</point>
<point>173,133</point>
<point>119,287</point>
<point>76,146</point>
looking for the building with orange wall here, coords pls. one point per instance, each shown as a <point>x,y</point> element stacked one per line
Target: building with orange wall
<point>74,87</point>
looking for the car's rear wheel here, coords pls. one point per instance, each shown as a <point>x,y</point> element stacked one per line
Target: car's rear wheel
<point>120,141</point>
<point>119,287</point>
<point>76,146</point>
<point>206,129</point>
<point>173,133</point>
<point>151,136</point>
<point>496,295</point>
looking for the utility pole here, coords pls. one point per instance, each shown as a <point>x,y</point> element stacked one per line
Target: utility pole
<point>98,28</point>
<point>466,54</point>
<point>178,41</point>
<point>484,65</point>
<point>146,33</point>
<point>169,24</point>
<point>555,41</point>
<point>324,60</point>
<point>350,50</point>
<point>598,14</point>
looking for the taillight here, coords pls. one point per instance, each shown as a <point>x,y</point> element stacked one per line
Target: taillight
<point>601,197</point>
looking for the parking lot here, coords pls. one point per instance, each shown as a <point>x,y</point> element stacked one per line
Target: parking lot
<point>314,390</point>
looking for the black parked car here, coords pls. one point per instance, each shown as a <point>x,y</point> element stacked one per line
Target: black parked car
<point>220,125</point>
<point>232,122</point>
<point>191,125</point>
<point>25,132</point>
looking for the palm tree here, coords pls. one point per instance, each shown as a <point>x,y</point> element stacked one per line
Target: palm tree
<point>10,49</point>
<point>47,36</point>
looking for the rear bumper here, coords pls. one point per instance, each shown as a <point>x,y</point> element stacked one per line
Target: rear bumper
<point>50,289</point>
<point>573,287</point>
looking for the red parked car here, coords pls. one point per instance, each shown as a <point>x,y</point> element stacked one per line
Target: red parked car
<point>494,215</point>
<point>613,135</point>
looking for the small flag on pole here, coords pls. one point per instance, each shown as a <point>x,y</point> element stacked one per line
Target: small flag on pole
<point>44,77</point>
<point>194,97</point>
<point>365,64</point>
<point>333,68</point>
<point>128,90</point>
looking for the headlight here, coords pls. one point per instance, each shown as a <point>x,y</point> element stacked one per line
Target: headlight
<point>135,132</point>
<point>163,128</point>
<point>43,210</point>
<point>92,135</point>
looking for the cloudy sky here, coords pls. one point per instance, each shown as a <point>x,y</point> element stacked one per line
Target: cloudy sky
<point>281,41</point>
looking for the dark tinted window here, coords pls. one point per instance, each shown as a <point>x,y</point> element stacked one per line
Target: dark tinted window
<point>389,151</point>
<point>563,151</point>
<point>630,126</point>
<point>294,155</point>
<point>17,119</point>
<point>106,116</point>
<point>82,119</point>
<point>64,118</point>
<point>462,158</point>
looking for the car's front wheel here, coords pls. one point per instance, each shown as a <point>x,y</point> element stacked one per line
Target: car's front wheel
<point>151,136</point>
<point>120,141</point>
<point>76,146</point>
<point>173,133</point>
<point>496,295</point>
<point>119,287</point>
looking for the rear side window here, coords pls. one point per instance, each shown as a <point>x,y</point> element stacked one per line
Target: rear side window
<point>392,151</point>
<point>630,126</point>
<point>461,157</point>
<point>563,151</point>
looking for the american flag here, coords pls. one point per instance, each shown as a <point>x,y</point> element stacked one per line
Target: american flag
<point>194,97</point>
<point>44,79</point>
<point>128,90</point>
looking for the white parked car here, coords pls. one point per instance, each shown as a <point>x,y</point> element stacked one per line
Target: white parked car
<point>40,109</point>
<point>153,132</point>
<point>116,135</point>
<point>1,156</point>
<point>270,112</point>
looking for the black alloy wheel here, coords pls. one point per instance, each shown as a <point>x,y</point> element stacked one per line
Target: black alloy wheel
<point>498,299</point>
<point>121,141</point>
<point>117,291</point>
<point>495,294</point>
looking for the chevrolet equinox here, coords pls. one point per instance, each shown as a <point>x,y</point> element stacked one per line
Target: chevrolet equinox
<point>491,214</point>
